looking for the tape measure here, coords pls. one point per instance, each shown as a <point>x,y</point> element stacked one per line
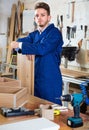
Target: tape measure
<point>56,112</point>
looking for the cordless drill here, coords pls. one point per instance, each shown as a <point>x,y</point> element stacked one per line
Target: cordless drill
<point>76,99</point>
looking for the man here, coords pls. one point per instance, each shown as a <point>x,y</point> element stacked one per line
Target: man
<point>46,44</point>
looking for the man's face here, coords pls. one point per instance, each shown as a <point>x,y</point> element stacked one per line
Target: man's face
<point>41,17</point>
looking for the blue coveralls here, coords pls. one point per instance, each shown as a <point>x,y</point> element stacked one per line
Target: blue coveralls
<point>47,48</point>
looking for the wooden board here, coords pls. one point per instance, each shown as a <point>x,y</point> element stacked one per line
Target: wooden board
<point>25,72</point>
<point>73,73</point>
<point>11,36</point>
<point>0,54</point>
<point>13,97</point>
<point>8,82</point>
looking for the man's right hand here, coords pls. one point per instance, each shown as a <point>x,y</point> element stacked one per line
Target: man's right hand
<point>14,44</point>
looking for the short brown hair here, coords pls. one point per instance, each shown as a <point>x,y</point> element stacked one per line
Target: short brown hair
<point>44,6</point>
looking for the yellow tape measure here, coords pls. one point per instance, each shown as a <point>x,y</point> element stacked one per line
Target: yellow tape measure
<point>56,112</point>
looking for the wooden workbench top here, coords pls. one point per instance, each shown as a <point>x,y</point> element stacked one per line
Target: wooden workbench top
<point>73,73</point>
<point>34,103</point>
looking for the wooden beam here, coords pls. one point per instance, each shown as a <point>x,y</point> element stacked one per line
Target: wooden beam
<point>73,10</point>
<point>11,36</point>
<point>25,72</point>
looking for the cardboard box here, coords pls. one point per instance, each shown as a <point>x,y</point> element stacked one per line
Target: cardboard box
<point>12,94</point>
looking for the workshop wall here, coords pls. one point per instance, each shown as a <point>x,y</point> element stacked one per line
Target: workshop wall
<point>5,13</point>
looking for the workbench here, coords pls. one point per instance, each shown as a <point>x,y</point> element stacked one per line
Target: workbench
<point>33,103</point>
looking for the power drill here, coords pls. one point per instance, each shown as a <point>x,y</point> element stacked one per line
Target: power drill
<point>76,99</point>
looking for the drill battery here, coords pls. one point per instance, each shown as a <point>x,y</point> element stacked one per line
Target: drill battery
<point>74,122</point>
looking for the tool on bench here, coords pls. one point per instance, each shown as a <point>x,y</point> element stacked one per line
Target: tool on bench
<point>10,112</point>
<point>76,99</point>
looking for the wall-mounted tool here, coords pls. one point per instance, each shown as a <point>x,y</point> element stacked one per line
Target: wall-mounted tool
<point>81,26</point>
<point>61,22</point>
<point>58,21</point>
<point>73,31</point>
<point>68,32</point>
<point>69,52</point>
<point>73,9</point>
<point>85,30</point>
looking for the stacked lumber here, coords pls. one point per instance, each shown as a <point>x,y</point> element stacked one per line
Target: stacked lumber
<point>14,29</point>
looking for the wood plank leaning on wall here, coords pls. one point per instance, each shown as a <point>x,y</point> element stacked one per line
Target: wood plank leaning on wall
<point>11,35</point>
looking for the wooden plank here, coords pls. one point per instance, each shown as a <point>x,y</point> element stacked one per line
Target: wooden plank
<point>10,90</point>
<point>20,8</point>
<point>8,82</point>
<point>32,75</point>
<point>11,36</point>
<point>0,54</point>
<point>21,97</point>
<point>6,100</point>
<point>73,10</point>
<point>13,97</point>
<point>73,73</point>
<point>25,72</point>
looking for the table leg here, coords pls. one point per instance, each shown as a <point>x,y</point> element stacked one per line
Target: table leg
<point>65,91</point>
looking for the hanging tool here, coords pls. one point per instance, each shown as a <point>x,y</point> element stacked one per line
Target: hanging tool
<point>61,23</point>
<point>81,26</point>
<point>68,32</point>
<point>58,21</point>
<point>73,9</point>
<point>73,31</point>
<point>85,30</point>
<point>61,19</point>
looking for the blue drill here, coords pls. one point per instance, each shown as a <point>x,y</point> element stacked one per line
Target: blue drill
<point>76,99</point>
